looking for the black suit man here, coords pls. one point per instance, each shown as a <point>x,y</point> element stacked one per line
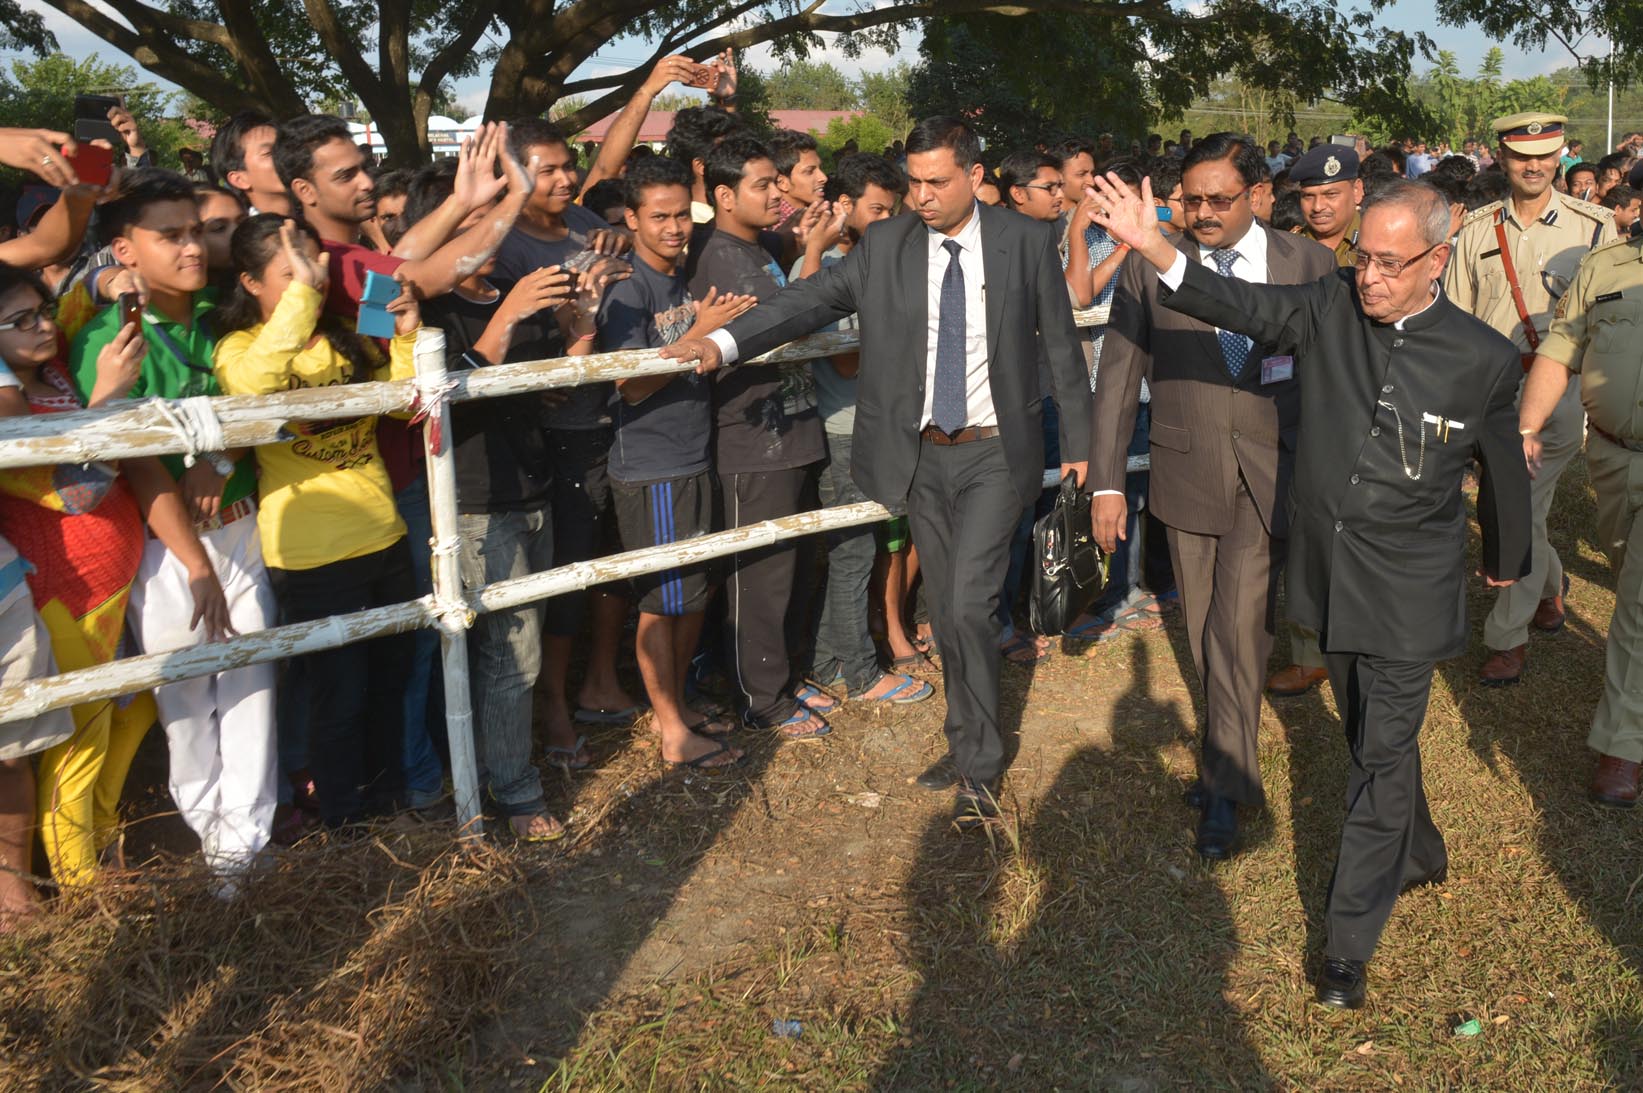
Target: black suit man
<point>1400,391</point>
<point>953,302</point>
<point>1224,415</point>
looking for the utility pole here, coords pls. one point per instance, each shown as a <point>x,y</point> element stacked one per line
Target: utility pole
<point>1609,146</point>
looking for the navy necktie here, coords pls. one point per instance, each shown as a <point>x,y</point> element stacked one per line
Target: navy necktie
<point>1234,347</point>
<point>949,404</point>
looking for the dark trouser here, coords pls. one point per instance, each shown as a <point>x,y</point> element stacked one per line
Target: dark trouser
<point>583,521</point>
<point>355,692</point>
<point>758,592</point>
<point>844,643</point>
<point>1227,596</point>
<point>1389,838</point>
<point>963,511</point>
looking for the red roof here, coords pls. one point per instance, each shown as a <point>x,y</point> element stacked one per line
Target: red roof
<point>658,122</point>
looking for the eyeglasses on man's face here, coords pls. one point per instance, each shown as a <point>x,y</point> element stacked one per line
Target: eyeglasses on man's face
<point>1391,267</point>
<point>1047,187</point>
<point>1190,202</point>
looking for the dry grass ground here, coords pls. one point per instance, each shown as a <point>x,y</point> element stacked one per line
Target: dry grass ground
<point>1084,948</point>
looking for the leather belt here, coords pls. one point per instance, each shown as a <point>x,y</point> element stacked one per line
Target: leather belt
<point>963,436</point>
<point>239,510</point>
<point>1629,445</point>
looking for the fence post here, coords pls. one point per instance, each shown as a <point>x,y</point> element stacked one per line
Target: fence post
<point>451,610</point>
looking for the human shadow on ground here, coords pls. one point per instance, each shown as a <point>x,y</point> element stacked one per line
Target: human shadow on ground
<point>1065,956</point>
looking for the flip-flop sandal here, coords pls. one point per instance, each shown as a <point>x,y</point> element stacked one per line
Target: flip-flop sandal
<point>573,758</point>
<point>705,762</point>
<point>713,725</point>
<point>905,693</point>
<point>919,661</point>
<point>557,832</point>
<point>1022,643</point>
<point>806,724</point>
<point>599,716</point>
<point>814,698</point>
<point>1092,630</point>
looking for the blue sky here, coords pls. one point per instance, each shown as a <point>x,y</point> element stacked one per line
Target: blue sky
<point>1468,44</point>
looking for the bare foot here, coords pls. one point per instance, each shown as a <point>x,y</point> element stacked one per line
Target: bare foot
<point>561,731</point>
<point>540,828</point>
<point>697,750</point>
<point>19,904</point>
<point>605,698</point>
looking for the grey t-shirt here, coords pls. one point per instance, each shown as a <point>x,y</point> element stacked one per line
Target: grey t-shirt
<point>521,254</point>
<point>835,395</point>
<point>665,435</point>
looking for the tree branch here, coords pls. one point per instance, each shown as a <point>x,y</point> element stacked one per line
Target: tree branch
<point>334,37</point>
<point>440,66</point>
<point>160,56</point>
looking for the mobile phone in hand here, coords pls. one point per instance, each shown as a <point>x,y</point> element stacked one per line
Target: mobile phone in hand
<point>131,308</point>
<point>93,164</point>
<point>91,118</point>
<point>702,76</point>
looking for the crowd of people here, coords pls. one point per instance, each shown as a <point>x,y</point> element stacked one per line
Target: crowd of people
<point>284,258</point>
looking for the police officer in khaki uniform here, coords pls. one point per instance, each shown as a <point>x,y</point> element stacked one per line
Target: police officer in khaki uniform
<point>1330,195</point>
<point>1512,261</point>
<point>1598,335</point>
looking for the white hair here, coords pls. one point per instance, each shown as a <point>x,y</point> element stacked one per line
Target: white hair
<point>1423,200</point>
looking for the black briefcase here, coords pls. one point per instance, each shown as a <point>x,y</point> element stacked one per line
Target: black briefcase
<point>1069,569</point>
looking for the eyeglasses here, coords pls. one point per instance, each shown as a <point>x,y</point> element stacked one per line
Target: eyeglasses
<point>30,320</point>
<point>1391,267</point>
<point>1219,204</point>
<point>1047,187</point>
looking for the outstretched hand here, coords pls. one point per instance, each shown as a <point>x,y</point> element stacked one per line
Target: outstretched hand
<point>1127,217</point>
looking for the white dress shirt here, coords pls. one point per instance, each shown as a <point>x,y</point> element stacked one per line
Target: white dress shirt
<point>978,390</point>
<point>978,387</point>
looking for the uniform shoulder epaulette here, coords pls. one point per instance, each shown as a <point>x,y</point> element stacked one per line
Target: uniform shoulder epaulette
<point>1623,241</point>
<point>1589,209</point>
<point>1486,212</point>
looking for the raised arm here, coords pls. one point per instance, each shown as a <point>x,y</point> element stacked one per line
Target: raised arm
<point>439,273</point>
<point>624,131</point>
<point>1283,316</point>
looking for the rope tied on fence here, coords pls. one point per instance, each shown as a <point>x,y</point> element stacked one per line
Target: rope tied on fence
<point>426,406</point>
<point>196,425</point>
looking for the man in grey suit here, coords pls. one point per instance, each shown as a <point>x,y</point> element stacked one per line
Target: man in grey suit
<point>1224,416</point>
<point>954,300</point>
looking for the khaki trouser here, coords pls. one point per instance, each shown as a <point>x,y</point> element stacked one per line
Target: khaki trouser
<point>1303,646</point>
<point>1507,626</point>
<point>1617,477</point>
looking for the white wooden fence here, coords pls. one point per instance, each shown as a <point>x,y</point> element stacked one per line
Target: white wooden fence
<point>146,428</point>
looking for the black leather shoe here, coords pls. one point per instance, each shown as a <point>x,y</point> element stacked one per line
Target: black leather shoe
<point>939,775</point>
<point>1436,877</point>
<point>974,806</point>
<point>1194,796</point>
<point>1342,984</point>
<point>1218,828</point>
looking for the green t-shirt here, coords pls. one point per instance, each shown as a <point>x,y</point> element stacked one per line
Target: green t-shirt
<point>178,365</point>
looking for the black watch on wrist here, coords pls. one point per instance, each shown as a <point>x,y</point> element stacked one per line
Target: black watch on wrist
<point>721,99</point>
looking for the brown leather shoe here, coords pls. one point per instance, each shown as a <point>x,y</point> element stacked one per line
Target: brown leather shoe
<point>1549,616</point>
<point>1615,782</point>
<point>1295,680</point>
<point>1504,666</point>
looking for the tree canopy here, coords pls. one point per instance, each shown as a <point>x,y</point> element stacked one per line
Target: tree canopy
<point>1043,63</point>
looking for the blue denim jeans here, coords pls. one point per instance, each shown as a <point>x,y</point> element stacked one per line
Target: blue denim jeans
<point>843,641</point>
<point>423,774</point>
<point>505,652</point>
